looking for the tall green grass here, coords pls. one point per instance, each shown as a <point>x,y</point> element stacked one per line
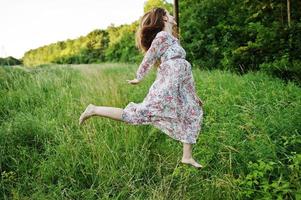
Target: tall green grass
<point>249,143</point>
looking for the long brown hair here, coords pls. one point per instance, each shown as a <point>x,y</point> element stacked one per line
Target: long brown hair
<point>150,24</point>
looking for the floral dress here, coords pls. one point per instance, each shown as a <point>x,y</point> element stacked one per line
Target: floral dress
<point>171,104</point>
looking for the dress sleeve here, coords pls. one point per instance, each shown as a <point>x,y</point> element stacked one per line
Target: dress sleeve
<point>155,51</point>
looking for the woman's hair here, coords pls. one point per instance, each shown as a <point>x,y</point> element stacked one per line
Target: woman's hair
<point>150,24</point>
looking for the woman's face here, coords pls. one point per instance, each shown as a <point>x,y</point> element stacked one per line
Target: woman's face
<point>169,18</point>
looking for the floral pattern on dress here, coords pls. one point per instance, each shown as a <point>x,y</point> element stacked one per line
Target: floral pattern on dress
<point>171,104</point>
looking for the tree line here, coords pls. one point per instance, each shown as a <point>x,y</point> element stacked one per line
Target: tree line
<point>240,36</point>
<point>10,61</point>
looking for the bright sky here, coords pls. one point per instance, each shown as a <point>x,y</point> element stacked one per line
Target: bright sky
<point>28,24</point>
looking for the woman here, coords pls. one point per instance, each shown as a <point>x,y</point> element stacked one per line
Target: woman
<point>171,103</point>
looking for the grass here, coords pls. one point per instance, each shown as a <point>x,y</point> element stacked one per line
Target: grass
<point>249,142</point>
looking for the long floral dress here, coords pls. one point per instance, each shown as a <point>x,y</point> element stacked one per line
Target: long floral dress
<point>171,104</point>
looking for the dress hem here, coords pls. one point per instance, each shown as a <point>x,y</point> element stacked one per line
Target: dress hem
<point>200,119</point>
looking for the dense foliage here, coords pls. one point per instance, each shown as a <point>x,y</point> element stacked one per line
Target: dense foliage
<point>243,35</point>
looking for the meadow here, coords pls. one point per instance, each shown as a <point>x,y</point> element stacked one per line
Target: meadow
<point>249,145</point>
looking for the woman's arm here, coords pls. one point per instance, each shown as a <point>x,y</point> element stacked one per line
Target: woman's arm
<point>191,87</point>
<point>157,48</point>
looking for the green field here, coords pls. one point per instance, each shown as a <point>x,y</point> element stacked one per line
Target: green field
<point>250,143</point>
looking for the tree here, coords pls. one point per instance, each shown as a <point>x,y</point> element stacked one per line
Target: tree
<point>289,13</point>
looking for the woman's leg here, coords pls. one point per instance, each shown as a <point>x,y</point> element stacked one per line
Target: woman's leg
<point>103,111</point>
<point>187,156</point>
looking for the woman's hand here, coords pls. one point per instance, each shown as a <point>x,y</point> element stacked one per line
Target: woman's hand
<point>200,101</point>
<point>134,81</point>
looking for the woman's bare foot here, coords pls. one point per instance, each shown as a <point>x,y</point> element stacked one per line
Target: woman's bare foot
<point>86,114</point>
<point>191,161</point>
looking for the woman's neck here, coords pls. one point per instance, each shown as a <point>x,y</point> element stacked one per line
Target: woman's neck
<point>168,29</point>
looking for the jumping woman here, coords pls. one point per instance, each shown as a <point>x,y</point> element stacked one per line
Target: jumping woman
<point>171,104</point>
